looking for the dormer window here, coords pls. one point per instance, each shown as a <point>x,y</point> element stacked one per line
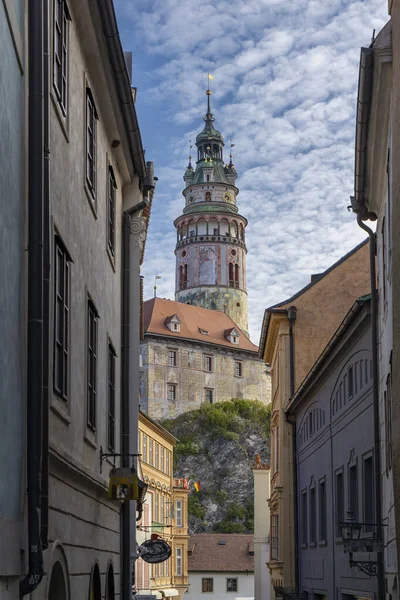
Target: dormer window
<point>173,323</point>
<point>232,335</point>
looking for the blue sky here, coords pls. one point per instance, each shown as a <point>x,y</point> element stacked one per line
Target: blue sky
<point>285,81</point>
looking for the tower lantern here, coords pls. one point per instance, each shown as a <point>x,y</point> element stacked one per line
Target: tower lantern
<point>210,249</point>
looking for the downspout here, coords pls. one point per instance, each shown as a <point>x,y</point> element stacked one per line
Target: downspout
<point>35,296</point>
<point>129,418</point>
<point>375,375</point>
<point>292,313</point>
<point>44,516</point>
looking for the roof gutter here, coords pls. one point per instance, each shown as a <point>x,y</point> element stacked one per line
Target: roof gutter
<point>123,84</point>
<point>364,96</point>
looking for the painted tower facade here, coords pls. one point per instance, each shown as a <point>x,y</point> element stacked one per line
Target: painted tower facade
<point>210,249</point>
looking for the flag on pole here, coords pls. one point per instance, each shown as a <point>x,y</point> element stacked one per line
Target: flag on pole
<point>196,486</point>
<point>210,76</point>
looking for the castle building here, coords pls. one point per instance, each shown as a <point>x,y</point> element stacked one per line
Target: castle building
<point>210,246</point>
<point>197,348</point>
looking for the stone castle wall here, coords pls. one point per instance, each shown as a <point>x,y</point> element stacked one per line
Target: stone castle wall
<point>191,378</point>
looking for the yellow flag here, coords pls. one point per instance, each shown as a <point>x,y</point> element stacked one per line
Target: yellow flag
<point>210,76</point>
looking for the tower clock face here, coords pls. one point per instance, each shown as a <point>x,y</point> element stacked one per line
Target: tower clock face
<point>228,198</point>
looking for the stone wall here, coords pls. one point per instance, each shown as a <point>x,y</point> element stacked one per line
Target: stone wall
<point>191,378</point>
<point>229,300</point>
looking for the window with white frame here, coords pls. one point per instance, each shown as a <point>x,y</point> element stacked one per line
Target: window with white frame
<point>144,448</point>
<point>231,584</point>
<point>178,559</point>
<point>60,54</point>
<point>178,513</point>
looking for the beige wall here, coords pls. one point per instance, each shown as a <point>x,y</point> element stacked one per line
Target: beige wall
<point>192,379</point>
<point>165,490</point>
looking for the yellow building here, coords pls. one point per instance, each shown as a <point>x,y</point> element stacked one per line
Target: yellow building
<point>294,333</point>
<point>165,513</point>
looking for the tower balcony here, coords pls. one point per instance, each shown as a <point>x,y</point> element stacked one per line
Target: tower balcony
<point>211,238</point>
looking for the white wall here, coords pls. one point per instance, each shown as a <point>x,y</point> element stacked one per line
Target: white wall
<point>245,586</point>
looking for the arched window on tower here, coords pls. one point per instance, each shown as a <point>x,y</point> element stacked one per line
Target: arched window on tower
<point>185,276</point>
<point>208,194</point>
<point>231,276</point>
<point>181,277</point>
<point>236,275</point>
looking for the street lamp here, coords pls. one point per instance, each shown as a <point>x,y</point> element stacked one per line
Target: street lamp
<point>352,542</point>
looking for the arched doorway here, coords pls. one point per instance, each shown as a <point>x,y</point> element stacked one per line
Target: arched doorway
<point>57,588</point>
<point>95,584</point>
<point>110,588</point>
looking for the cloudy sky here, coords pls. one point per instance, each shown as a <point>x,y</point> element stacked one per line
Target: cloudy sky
<point>285,79</point>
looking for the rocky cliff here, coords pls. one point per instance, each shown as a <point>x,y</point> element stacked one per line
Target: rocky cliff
<point>216,447</point>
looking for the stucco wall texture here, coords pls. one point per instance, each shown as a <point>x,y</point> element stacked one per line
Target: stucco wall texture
<point>191,378</point>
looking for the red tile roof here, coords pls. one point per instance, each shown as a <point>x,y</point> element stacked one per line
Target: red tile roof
<point>193,319</point>
<point>207,553</point>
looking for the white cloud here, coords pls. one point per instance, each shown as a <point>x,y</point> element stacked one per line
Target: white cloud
<point>285,90</point>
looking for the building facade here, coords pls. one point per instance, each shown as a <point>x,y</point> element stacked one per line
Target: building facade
<point>376,198</point>
<point>262,579</point>
<point>293,335</point>
<point>165,512</point>
<point>192,355</point>
<point>13,289</point>
<point>221,566</point>
<point>333,415</point>
<point>84,194</point>
<point>211,249</point>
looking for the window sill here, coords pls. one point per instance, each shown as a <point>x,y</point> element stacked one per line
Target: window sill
<point>63,120</point>
<point>91,200</point>
<point>90,438</point>
<point>312,545</point>
<point>111,258</point>
<point>303,546</point>
<point>61,414</point>
<point>323,543</point>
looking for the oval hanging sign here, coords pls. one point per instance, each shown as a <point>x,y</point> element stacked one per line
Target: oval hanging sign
<point>155,551</point>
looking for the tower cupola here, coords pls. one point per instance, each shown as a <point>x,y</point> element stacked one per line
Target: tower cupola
<point>211,249</point>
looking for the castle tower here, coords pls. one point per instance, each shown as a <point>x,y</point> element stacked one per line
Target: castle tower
<point>210,249</point>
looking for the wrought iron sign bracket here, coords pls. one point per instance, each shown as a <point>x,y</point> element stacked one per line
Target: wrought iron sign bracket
<point>368,567</point>
<point>104,455</point>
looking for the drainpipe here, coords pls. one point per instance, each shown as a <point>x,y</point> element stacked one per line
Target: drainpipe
<point>35,295</point>
<point>292,313</point>
<point>44,516</point>
<point>375,376</point>
<point>129,354</point>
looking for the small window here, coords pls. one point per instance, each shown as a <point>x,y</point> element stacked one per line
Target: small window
<point>179,562</point>
<point>207,585</point>
<point>172,358</point>
<point>62,280</point>
<point>167,453</point>
<point>60,54</point>
<point>144,448</point>
<point>313,515</point>
<point>178,512</point>
<point>171,391</point>
<point>209,396</point>
<point>91,143</point>
<point>208,363</point>
<point>203,331</point>
<point>111,397</point>
<point>275,537</point>
<point>339,502</point>
<point>157,457</point>
<point>162,459</point>
<point>369,494</point>
<point>353,491</point>
<point>111,216</point>
<point>304,513</point>
<point>231,584</point>
<point>151,452</point>
<point>156,517</point>
<point>92,335</point>
<point>238,369</point>
<point>322,511</point>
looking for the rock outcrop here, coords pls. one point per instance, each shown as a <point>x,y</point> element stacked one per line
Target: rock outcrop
<point>216,447</point>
